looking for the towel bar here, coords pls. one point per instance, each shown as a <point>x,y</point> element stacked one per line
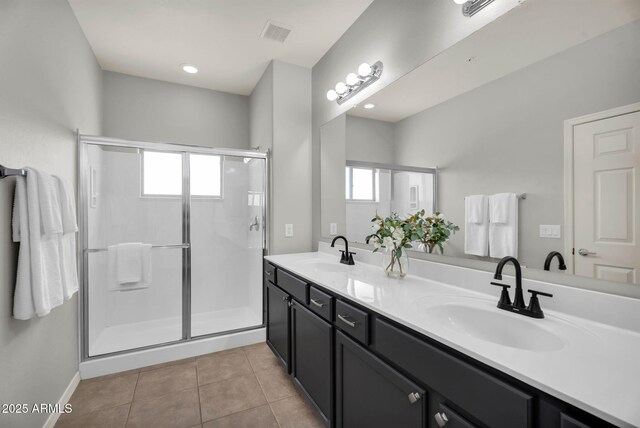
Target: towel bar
<point>100,250</point>
<point>8,172</point>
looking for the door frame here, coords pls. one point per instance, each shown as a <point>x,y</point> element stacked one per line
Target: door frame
<point>569,144</point>
<point>83,141</point>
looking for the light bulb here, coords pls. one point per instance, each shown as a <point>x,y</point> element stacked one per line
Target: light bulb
<point>364,69</point>
<point>332,95</point>
<point>341,88</point>
<point>369,106</point>
<point>459,1</point>
<point>352,79</point>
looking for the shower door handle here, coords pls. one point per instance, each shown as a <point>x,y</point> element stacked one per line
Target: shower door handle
<point>255,225</point>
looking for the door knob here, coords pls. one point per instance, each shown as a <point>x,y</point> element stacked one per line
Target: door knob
<point>441,419</point>
<point>585,252</point>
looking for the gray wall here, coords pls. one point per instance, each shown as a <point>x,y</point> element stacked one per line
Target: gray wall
<point>507,136</point>
<point>403,34</point>
<point>369,140</point>
<point>143,109</point>
<point>50,84</point>
<point>281,121</point>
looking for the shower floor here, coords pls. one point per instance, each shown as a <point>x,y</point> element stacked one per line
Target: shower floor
<point>136,335</point>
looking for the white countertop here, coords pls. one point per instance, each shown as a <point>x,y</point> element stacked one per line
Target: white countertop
<point>597,367</point>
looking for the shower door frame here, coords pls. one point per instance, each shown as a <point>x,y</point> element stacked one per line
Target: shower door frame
<point>84,141</point>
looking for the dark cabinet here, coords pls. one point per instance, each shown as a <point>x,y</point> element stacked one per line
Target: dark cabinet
<point>312,357</point>
<point>369,393</point>
<point>278,322</point>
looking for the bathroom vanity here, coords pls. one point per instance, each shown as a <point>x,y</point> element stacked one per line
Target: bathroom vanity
<point>369,351</point>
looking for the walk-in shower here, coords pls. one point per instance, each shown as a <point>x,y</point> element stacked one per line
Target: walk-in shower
<point>203,213</point>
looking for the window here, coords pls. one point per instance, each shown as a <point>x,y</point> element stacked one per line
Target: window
<point>360,184</point>
<point>162,174</point>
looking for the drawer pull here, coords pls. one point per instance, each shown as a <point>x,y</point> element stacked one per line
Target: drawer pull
<point>414,397</point>
<point>345,320</point>
<point>318,303</point>
<point>285,298</point>
<point>268,273</point>
<point>441,419</point>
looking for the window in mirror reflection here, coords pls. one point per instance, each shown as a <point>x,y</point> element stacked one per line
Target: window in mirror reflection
<point>361,184</point>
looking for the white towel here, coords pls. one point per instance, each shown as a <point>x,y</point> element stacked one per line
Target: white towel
<point>476,209</point>
<point>38,274</point>
<point>23,308</point>
<point>476,235</point>
<point>499,207</point>
<point>113,269</point>
<point>503,232</point>
<point>129,262</point>
<point>49,201</point>
<point>67,240</point>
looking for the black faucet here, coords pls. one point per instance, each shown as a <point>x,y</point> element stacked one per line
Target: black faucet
<point>550,256</point>
<point>533,310</point>
<point>347,256</point>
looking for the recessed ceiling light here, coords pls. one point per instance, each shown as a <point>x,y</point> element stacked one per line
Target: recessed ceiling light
<point>368,106</point>
<point>189,68</point>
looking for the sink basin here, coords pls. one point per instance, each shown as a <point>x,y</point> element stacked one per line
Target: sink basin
<point>491,324</point>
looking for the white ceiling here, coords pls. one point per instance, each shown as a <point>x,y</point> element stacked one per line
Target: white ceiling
<point>151,38</point>
<point>528,33</point>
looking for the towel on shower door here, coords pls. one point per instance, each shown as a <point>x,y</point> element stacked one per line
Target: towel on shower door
<point>503,228</point>
<point>37,225</point>
<point>128,266</point>
<point>476,233</point>
<point>67,240</point>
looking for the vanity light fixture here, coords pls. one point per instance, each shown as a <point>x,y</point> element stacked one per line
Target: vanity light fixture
<point>189,68</point>
<point>471,7</point>
<point>367,74</point>
<point>368,106</point>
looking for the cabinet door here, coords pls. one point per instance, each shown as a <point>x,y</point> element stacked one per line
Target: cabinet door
<point>312,356</point>
<point>371,394</point>
<point>278,322</point>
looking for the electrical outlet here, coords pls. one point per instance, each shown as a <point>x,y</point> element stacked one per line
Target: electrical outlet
<point>550,231</point>
<point>288,230</point>
<point>333,229</point>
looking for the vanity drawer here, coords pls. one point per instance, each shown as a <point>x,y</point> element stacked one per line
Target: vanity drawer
<point>320,303</point>
<point>270,272</point>
<point>352,321</point>
<point>485,397</point>
<point>294,286</point>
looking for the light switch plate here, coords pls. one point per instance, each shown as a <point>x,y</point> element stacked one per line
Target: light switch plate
<point>288,230</point>
<point>550,231</point>
<point>333,229</point>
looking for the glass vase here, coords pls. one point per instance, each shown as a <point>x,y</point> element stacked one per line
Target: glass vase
<point>394,265</point>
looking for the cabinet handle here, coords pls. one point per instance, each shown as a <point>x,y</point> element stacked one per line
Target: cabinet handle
<point>345,320</point>
<point>441,419</point>
<point>414,397</point>
<point>285,298</point>
<point>268,272</point>
<point>318,303</point>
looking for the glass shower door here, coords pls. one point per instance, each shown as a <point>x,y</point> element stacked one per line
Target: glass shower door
<point>227,241</point>
<point>132,196</point>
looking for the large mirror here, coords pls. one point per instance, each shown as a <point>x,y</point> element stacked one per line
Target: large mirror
<point>531,129</point>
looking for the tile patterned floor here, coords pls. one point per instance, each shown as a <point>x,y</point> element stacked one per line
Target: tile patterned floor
<point>242,387</point>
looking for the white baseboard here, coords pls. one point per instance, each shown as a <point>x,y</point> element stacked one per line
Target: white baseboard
<point>66,396</point>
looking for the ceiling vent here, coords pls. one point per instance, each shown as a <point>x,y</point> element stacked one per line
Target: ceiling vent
<point>275,31</point>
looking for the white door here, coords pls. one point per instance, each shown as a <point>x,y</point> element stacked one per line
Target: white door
<point>607,198</point>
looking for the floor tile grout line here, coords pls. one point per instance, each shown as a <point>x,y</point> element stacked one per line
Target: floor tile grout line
<point>235,413</point>
<point>198,391</point>
<point>132,397</point>
<point>266,398</point>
